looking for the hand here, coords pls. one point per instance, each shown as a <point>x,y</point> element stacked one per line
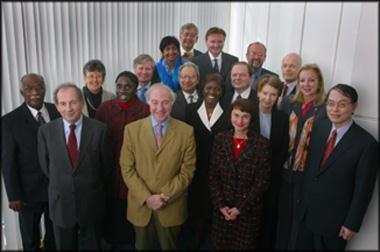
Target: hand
<point>156,201</point>
<point>233,213</point>
<point>16,205</point>
<point>346,233</point>
<point>224,211</point>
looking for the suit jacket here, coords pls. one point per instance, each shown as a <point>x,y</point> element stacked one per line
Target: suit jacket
<point>148,170</point>
<point>339,194</point>
<point>263,71</point>
<point>180,106</point>
<point>23,177</point>
<point>196,53</point>
<point>205,65</point>
<point>76,195</point>
<point>106,95</point>
<point>227,98</point>
<point>199,195</point>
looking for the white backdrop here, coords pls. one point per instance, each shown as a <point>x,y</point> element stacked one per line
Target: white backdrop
<point>56,39</point>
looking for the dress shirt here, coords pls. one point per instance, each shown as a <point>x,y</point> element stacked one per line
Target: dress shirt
<point>218,59</point>
<point>245,94</point>
<point>194,94</point>
<point>78,129</point>
<point>183,51</point>
<point>164,125</point>
<point>265,124</point>
<point>340,132</point>
<point>44,113</point>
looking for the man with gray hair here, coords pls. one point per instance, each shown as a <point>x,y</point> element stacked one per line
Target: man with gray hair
<point>157,163</point>
<point>188,94</point>
<point>74,154</point>
<point>256,55</point>
<point>25,183</point>
<point>188,36</point>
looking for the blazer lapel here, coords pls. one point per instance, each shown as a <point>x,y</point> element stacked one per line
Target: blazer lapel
<point>62,141</point>
<point>344,144</point>
<point>321,146</point>
<point>169,134</point>
<point>150,138</point>
<point>29,119</point>
<point>84,139</point>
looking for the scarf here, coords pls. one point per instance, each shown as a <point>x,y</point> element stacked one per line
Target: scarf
<point>168,77</point>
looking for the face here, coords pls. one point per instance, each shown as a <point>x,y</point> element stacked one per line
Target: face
<point>125,89</point>
<point>144,72</point>
<point>267,98</point>
<point>160,104</point>
<point>188,79</point>
<point>240,120</point>
<point>170,53</point>
<point>309,84</point>
<point>188,38</point>
<point>256,55</point>
<point>215,43</point>
<point>339,108</point>
<point>33,91</point>
<point>290,67</point>
<point>240,78</point>
<point>93,81</point>
<point>69,105</point>
<point>212,92</point>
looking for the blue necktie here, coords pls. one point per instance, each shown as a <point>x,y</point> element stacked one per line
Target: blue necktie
<point>216,67</point>
<point>142,94</point>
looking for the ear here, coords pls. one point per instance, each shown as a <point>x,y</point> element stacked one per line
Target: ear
<point>354,106</point>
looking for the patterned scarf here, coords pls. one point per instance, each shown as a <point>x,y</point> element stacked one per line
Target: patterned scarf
<point>168,77</point>
<point>303,143</point>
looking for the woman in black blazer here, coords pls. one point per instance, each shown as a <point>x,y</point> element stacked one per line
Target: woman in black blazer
<point>208,118</point>
<point>273,125</point>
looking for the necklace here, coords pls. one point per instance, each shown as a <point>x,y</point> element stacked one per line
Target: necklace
<point>238,144</point>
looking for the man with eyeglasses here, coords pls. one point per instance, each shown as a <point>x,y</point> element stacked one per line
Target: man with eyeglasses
<point>25,183</point>
<point>256,55</point>
<point>340,176</point>
<point>188,36</point>
<point>188,94</point>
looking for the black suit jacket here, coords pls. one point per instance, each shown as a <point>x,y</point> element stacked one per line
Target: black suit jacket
<point>23,177</point>
<point>76,195</point>
<point>180,106</point>
<point>205,65</point>
<point>196,53</point>
<point>338,194</point>
<point>227,98</point>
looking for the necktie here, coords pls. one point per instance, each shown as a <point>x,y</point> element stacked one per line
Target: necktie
<point>40,119</point>
<point>216,67</point>
<point>159,134</point>
<point>329,148</point>
<point>238,97</point>
<point>189,55</point>
<point>191,99</point>
<point>72,145</point>
<point>284,90</point>
<point>142,94</point>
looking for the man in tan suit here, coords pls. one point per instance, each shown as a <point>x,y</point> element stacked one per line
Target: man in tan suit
<point>157,163</point>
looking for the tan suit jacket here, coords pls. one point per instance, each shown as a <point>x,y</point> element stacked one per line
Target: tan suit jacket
<point>148,170</point>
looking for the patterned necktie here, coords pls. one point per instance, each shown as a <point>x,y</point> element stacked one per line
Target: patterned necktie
<point>72,145</point>
<point>189,55</point>
<point>329,148</point>
<point>159,134</point>
<point>40,118</point>
<point>216,67</point>
<point>191,99</point>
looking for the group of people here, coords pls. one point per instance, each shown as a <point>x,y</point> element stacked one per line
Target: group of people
<point>195,151</point>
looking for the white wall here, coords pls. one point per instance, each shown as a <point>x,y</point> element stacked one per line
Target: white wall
<point>341,37</point>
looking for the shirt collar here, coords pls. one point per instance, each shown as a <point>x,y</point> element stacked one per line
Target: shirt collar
<point>35,111</point>
<point>164,123</point>
<point>183,51</point>
<point>219,57</point>
<point>245,94</point>
<point>146,85</point>
<point>194,94</point>
<point>77,123</point>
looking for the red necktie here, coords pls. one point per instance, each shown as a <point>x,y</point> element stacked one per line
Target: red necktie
<point>329,147</point>
<point>72,145</point>
<point>159,134</point>
<point>284,90</point>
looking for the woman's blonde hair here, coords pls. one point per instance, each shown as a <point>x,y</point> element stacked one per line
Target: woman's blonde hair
<point>298,97</point>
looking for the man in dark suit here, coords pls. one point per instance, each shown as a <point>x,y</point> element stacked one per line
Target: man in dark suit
<point>25,183</point>
<point>188,94</point>
<point>74,155</point>
<point>241,74</point>
<point>256,55</point>
<point>215,60</point>
<point>290,66</point>
<point>188,36</point>
<point>341,172</point>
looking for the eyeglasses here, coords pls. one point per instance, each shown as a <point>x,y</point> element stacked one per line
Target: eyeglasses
<point>189,77</point>
<point>341,105</point>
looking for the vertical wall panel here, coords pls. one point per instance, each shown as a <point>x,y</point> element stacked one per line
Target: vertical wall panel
<point>284,34</point>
